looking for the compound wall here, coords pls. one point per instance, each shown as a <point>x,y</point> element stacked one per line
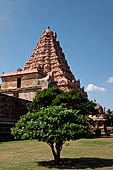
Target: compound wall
<point>11,109</point>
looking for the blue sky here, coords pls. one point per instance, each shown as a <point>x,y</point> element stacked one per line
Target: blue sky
<point>84,29</point>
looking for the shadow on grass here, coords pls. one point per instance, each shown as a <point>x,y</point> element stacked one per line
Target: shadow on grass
<point>78,163</point>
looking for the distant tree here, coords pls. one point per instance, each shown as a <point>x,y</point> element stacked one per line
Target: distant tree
<point>109,117</point>
<point>53,125</point>
<point>44,98</point>
<point>55,97</point>
<point>75,100</point>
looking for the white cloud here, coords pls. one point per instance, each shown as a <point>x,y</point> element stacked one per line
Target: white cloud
<point>92,87</point>
<point>110,80</point>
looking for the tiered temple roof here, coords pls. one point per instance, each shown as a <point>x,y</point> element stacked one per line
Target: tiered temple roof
<point>49,58</point>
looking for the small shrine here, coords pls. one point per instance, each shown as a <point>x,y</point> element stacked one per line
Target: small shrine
<point>99,120</point>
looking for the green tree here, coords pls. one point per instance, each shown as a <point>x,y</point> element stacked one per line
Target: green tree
<point>53,125</point>
<point>75,100</point>
<point>55,117</point>
<point>56,97</point>
<point>44,98</point>
<point>109,117</point>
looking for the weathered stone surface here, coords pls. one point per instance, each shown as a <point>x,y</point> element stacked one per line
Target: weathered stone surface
<point>30,85</point>
<point>11,109</point>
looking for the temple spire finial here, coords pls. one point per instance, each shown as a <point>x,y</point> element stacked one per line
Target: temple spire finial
<point>48,27</point>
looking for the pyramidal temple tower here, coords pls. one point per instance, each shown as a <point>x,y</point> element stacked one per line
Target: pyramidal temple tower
<point>46,67</point>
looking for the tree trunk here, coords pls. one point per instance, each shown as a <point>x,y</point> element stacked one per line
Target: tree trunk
<point>53,151</point>
<point>56,154</point>
<point>57,160</point>
<point>58,150</point>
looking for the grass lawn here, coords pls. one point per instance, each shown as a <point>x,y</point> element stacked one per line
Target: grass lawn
<point>84,154</point>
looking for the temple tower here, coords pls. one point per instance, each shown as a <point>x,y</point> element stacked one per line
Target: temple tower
<point>48,57</point>
<point>46,67</point>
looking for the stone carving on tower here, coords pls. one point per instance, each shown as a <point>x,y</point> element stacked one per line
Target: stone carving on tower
<point>48,57</point>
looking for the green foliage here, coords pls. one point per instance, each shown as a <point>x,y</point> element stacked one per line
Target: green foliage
<point>109,117</point>
<point>44,98</point>
<point>51,125</point>
<point>56,97</point>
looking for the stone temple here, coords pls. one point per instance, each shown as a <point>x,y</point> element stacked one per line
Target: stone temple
<point>46,67</point>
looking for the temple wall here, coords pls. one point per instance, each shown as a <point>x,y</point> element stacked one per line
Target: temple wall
<point>9,84</point>
<point>11,109</point>
<point>31,86</point>
<point>28,96</point>
<point>25,93</point>
<point>28,83</point>
<point>28,80</point>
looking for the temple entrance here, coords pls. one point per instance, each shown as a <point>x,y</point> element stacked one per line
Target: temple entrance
<point>18,82</point>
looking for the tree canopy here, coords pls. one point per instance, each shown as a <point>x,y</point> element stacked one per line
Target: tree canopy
<point>109,117</point>
<point>55,97</point>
